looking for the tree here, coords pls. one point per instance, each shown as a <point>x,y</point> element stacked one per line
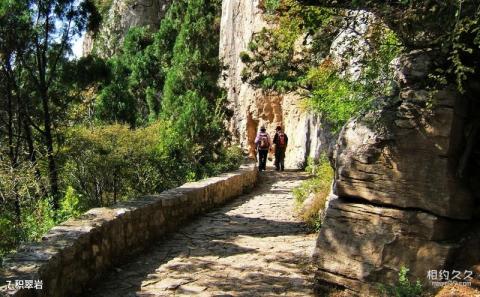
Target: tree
<point>33,57</point>
<point>191,97</point>
<point>15,125</point>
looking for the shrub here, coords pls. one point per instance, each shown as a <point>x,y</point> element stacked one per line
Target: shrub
<point>272,5</point>
<point>112,163</point>
<point>335,98</point>
<point>252,46</point>
<point>403,288</point>
<point>319,187</point>
<point>276,64</point>
<point>245,57</point>
<point>70,204</point>
<point>37,218</point>
<point>228,159</point>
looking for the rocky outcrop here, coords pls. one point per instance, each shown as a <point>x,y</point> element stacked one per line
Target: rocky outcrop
<point>123,15</point>
<point>350,46</point>
<point>364,244</point>
<point>400,202</point>
<point>403,162</point>
<point>254,108</point>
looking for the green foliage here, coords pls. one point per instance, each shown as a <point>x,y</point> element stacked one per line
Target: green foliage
<point>155,70</point>
<point>275,63</point>
<point>145,120</point>
<point>465,39</point>
<point>115,103</point>
<point>195,65</point>
<point>70,204</point>
<point>114,163</point>
<point>37,218</point>
<point>192,100</point>
<point>252,46</point>
<point>229,159</point>
<point>319,187</point>
<point>336,98</point>
<point>272,5</point>
<point>245,57</point>
<point>403,288</point>
<point>451,25</point>
<point>103,6</point>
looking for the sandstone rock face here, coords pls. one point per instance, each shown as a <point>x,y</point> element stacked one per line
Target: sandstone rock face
<point>406,165</point>
<point>252,107</point>
<point>360,245</point>
<point>399,201</point>
<point>123,15</point>
<point>348,49</point>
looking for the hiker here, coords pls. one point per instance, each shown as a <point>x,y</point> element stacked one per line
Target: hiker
<point>262,143</point>
<point>280,140</point>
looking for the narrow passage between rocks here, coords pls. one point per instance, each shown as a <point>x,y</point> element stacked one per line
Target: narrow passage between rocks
<point>253,246</point>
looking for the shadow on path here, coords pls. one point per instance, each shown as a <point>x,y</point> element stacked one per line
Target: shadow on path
<point>250,247</point>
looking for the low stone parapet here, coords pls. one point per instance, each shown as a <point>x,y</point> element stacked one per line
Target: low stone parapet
<point>77,252</point>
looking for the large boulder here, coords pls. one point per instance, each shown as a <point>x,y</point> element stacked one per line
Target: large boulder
<point>404,153</point>
<point>400,200</point>
<point>399,156</point>
<point>362,245</point>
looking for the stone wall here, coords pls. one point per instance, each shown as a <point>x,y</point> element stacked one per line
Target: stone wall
<point>77,252</point>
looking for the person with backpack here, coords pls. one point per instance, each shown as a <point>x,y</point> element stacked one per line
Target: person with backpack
<point>280,140</point>
<point>262,143</point>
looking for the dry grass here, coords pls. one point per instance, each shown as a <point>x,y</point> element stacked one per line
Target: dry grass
<point>458,291</point>
<point>311,195</point>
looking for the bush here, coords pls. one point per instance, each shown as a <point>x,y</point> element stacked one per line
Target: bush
<point>252,46</point>
<point>37,218</point>
<point>245,57</point>
<point>319,187</point>
<point>70,204</point>
<point>272,5</point>
<point>112,163</point>
<point>403,288</point>
<point>229,159</point>
<point>275,63</point>
<point>335,98</point>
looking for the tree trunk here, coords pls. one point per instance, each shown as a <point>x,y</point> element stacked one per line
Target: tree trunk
<point>52,166</point>
<point>114,188</point>
<point>13,156</point>
<point>32,157</point>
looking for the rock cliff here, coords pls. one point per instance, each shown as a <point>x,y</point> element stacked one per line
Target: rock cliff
<point>119,18</point>
<point>400,170</point>
<point>253,107</point>
<point>400,202</point>
<point>405,195</point>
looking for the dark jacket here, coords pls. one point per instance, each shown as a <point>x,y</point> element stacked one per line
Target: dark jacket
<point>276,139</point>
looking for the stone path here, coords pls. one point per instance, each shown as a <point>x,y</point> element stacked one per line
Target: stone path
<point>252,247</point>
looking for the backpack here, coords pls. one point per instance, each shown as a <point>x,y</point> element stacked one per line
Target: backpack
<point>282,140</point>
<point>263,141</point>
